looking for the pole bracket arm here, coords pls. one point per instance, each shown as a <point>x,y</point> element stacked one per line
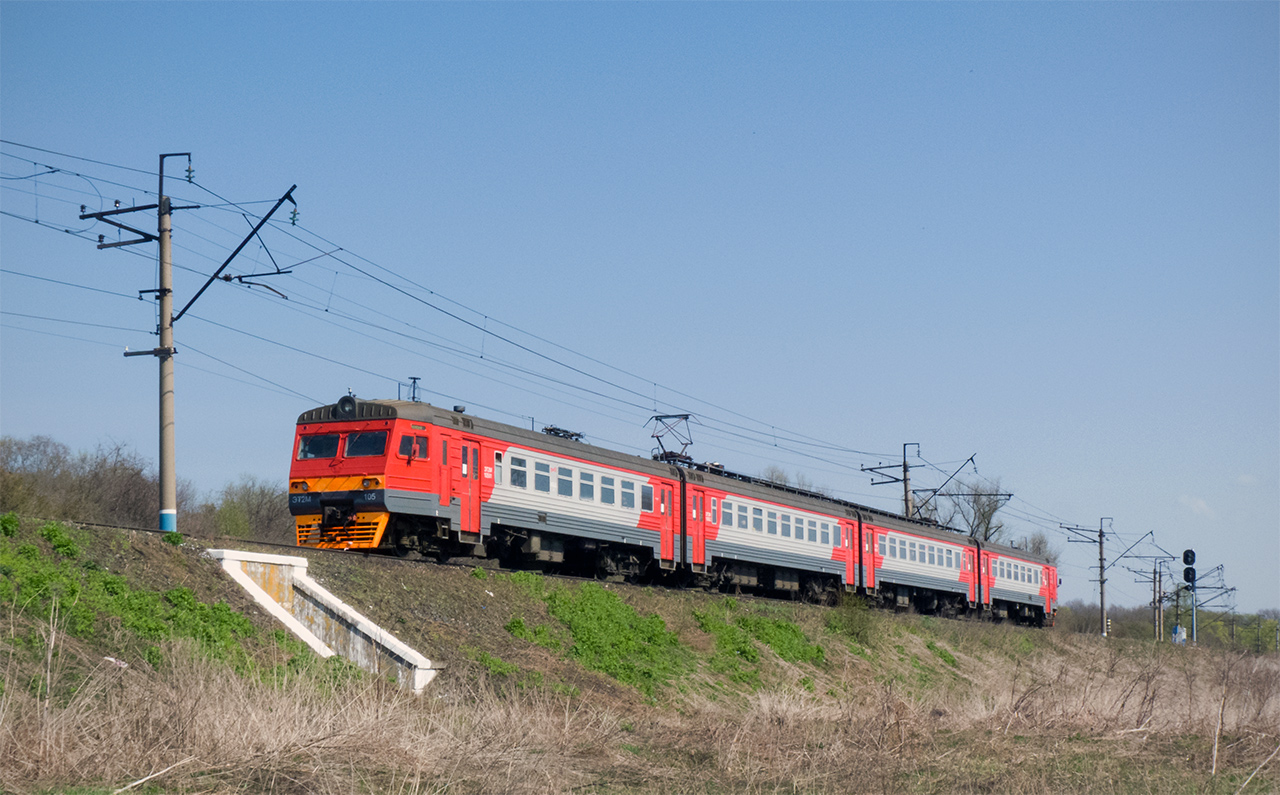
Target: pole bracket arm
<point>153,352</point>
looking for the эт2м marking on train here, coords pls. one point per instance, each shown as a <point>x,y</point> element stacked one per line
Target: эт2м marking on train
<point>409,477</point>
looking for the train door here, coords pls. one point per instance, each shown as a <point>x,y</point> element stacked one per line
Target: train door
<point>848,534</point>
<point>697,527</point>
<point>867,554</point>
<point>466,487</point>
<point>971,573</point>
<point>444,465</point>
<point>667,520</point>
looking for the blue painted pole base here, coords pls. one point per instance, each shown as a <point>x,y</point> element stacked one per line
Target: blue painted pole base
<point>169,521</point>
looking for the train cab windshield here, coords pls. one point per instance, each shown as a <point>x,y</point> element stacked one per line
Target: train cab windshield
<point>366,444</point>
<point>323,445</point>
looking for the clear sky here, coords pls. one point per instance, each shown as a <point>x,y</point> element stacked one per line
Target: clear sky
<point>1046,234</point>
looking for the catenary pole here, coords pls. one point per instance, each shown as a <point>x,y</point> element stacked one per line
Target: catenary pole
<point>1102,579</point>
<point>168,466</point>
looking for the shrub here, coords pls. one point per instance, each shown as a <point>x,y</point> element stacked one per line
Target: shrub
<point>853,619</point>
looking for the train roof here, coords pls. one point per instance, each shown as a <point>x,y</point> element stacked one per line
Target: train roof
<point>350,409</point>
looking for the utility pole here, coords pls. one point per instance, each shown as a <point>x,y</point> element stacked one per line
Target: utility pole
<point>906,483</point>
<point>168,466</point>
<point>1102,577</point>
<point>1084,537</point>
<point>908,499</point>
<point>164,293</point>
<point>1155,601</point>
<point>1160,607</point>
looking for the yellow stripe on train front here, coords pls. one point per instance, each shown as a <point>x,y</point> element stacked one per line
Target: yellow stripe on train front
<point>363,531</point>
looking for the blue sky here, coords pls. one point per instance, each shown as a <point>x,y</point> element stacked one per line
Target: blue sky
<point>1042,233</point>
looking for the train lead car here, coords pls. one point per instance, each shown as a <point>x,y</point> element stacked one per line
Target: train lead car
<point>412,478</point>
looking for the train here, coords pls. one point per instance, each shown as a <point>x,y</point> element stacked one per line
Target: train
<point>413,479</point>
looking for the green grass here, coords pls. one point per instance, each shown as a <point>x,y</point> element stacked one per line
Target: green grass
<point>539,634</point>
<point>603,633</point>
<point>942,654</point>
<point>86,600</point>
<point>611,637</point>
<point>736,654</point>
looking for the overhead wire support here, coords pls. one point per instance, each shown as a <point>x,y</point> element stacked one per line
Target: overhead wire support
<point>1102,563</point>
<point>967,461</point>
<point>288,196</point>
<point>908,506</point>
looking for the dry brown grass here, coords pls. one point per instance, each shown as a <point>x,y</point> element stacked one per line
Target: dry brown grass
<point>1096,720</point>
<point>238,733</point>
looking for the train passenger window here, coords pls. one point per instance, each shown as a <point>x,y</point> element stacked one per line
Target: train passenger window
<point>742,516</point>
<point>757,520</point>
<point>366,444</point>
<point>728,514</point>
<point>786,526</point>
<point>519,475</point>
<point>564,483</point>
<point>813,531</point>
<point>826,533</point>
<point>324,445</point>
<point>646,497</point>
<point>628,494</point>
<point>497,469</point>
<point>542,477</point>
<point>715,511</point>
<point>948,559</point>
<point>773,523</point>
<point>881,545</point>
<point>586,486</point>
<point>932,560</point>
<point>911,546</point>
<point>606,490</point>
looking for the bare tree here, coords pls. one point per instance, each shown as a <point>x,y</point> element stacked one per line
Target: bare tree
<point>255,508</point>
<point>970,506</point>
<point>775,474</point>
<point>1038,544</point>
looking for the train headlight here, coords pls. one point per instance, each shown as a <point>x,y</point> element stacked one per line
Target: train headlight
<point>301,486</point>
<point>369,483</point>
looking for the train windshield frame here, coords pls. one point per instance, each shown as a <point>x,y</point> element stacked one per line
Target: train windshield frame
<point>318,445</point>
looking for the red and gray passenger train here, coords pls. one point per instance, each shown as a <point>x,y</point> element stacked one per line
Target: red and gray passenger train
<point>412,478</point>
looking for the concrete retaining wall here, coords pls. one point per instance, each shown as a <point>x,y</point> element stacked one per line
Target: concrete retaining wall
<point>281,585</point>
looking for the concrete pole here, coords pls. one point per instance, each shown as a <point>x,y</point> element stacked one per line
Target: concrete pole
<point>1155,602</point>
<point>1102,581</point>
<point>906,484</point>
<point>168,470</point>
<point>1194,638</point>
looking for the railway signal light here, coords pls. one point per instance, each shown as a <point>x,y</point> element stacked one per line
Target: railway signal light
<point>1189,576</point>
<point>1189,557</point>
